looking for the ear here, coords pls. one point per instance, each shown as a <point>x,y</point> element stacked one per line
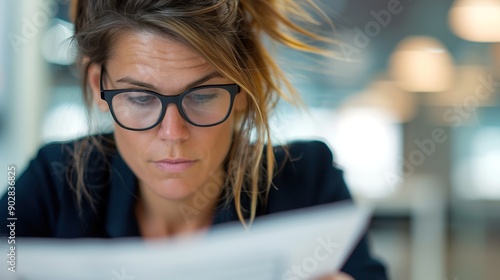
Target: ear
<point>93,79</point>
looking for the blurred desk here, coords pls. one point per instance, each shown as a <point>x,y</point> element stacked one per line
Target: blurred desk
<point>423,201</point>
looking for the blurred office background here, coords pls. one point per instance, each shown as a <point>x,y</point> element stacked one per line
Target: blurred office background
<point>410,108</point>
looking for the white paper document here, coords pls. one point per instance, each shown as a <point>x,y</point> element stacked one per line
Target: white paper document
<point>299,244</point>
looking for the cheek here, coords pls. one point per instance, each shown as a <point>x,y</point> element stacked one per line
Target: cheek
<point>215,144</point>
<point>216,141</point>
<point>129,144</point>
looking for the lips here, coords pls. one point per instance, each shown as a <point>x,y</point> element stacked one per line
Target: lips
<point>174,165</point>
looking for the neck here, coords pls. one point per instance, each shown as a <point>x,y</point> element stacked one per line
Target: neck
<point>158,217</point>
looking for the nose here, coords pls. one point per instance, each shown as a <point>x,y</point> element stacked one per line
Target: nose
<point>173,127</point>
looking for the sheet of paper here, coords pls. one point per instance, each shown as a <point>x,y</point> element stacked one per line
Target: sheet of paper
<point>293,245</point>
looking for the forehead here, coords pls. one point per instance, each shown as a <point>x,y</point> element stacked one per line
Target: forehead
<point>155,58</point>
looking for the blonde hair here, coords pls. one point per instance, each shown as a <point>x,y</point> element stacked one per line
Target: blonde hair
<point>229,34</point>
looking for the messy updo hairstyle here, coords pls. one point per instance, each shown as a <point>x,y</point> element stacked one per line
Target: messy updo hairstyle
<point>230,34</point>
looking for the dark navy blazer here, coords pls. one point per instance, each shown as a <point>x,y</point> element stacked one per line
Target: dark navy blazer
<point>46,205</point>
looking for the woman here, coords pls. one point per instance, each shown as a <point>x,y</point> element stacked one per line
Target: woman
<point>188,83</point>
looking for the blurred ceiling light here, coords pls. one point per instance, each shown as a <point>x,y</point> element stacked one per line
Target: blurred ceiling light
<point>476,20</point>
<point>387,96</point>
<point>422,64</point>
<point>472,88</point>
<point>56,43</point>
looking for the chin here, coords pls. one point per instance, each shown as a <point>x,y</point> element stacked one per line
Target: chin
<point>174,190</point>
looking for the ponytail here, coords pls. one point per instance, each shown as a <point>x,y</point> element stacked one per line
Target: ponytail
<point>283,20</point>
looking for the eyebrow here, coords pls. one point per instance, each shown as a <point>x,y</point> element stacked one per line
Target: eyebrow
<point>196,83</point>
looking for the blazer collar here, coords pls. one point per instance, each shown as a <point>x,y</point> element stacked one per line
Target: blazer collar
<point>121,220</point>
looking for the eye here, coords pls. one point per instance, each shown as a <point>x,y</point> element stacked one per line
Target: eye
<point>141,99</point>
<point>201,97</point>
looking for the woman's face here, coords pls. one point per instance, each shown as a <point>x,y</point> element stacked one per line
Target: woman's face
<point>175,158</point>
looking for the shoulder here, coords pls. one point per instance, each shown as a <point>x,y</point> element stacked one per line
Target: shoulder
<point>62,151</point>
<point>44,191</point>
<point>304,151</point>
<point>57,159</point>
<point>306,176</point>
<point>50,165</point>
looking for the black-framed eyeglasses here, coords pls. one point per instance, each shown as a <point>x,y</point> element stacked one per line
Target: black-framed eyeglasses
<point>138,109</point>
